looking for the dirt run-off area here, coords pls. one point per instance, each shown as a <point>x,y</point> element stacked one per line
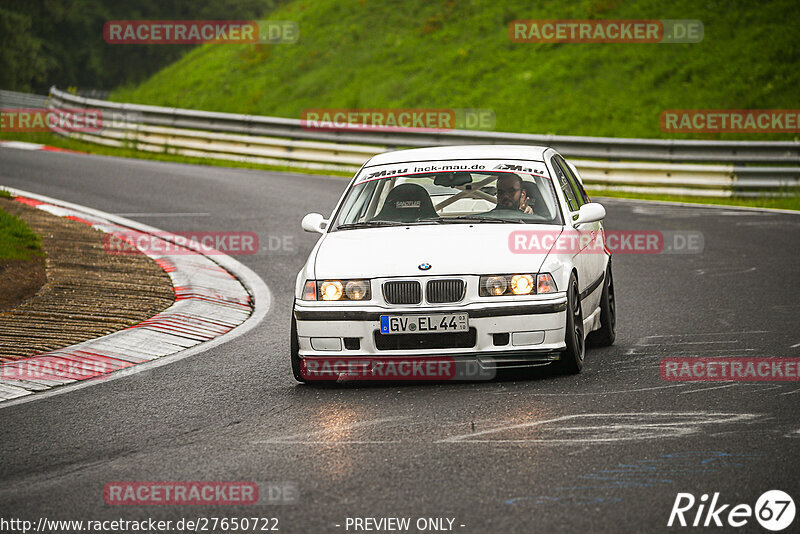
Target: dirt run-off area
<point>77,292</point>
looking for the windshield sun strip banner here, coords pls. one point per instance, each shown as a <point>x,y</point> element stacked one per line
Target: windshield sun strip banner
<point>393,170</point>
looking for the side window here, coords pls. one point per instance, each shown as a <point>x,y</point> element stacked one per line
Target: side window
<point>563,183</point>
<point>580,194</point>
<point>581,191</point>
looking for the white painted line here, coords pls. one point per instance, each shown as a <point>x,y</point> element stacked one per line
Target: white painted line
<point>686,343</point>
<point>597,393</point>
<point>21,145</point>
<point>683,351</point>
<point>791,392</point>
<point>795,346</point>
<point>603,427</point>
<point>779,386</point>
<point>713,333</point>
<point>709,389</point>
<point>137,340</point>
<point>735,354</point>
<point>610,427</point>
<point>723,271</point>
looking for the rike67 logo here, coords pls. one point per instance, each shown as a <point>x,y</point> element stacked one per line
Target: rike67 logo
<point>774,511</point>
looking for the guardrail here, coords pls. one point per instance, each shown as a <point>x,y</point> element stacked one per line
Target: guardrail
<point>653,165</point>
<point>13,99</point>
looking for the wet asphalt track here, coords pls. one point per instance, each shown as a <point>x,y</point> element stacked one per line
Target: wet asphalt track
<point>605,451</point>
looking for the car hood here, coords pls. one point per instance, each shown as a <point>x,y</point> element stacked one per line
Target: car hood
<point>450,249</point>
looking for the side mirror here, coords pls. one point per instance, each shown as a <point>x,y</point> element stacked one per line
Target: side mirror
<point>589,213</point>
<point>314,222</point>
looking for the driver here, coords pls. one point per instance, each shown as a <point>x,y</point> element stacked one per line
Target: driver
<point>511,194</point>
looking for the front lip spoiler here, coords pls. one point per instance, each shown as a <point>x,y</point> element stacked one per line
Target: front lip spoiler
<point>487,360</point>
<point>343,314</point>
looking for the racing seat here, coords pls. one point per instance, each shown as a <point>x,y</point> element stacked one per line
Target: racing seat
<point>407,203</point>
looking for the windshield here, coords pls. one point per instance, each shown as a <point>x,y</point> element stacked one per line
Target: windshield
<point>469,197</point>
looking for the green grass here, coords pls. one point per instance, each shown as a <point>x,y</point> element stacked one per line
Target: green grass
<point>17,240</point>
<point>452,54</point>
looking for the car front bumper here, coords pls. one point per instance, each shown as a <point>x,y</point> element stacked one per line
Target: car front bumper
<point>535,331</point>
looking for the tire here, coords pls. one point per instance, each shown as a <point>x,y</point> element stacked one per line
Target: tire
<point>294,348</point>
<point>571,361</point>
<point>605,336</point>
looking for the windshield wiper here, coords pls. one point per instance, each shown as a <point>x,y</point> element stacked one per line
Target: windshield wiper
<point>446,220</point>
<point>366,224</point>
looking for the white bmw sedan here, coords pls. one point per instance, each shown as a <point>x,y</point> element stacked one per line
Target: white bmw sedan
<point>492,255</point>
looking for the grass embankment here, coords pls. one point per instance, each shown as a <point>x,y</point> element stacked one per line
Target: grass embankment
<point>17,240</point>
<point>22,260</point>
<point>447,54</point>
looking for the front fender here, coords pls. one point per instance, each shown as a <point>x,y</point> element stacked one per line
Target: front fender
<point>308,272</point>
<point>560,267</point>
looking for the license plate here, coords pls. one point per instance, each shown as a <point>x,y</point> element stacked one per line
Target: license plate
<point>424,324</point>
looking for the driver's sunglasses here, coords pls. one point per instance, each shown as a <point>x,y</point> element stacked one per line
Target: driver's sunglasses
<point>508,191</point>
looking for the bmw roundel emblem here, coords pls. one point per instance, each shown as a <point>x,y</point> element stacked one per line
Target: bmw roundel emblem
<point>424,266</point>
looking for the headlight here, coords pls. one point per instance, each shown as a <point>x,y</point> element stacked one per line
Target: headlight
<point>493,286</point>
<point>522,284</point>
<point>331,290</point>
<point>497,285</point>
<point>356,289</point>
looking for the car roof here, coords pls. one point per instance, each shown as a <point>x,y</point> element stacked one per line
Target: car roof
<point>439,153</point>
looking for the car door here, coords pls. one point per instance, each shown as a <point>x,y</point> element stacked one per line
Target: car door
<point>589,259</point>
<point>578,259</point>
<point>596,251</point>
